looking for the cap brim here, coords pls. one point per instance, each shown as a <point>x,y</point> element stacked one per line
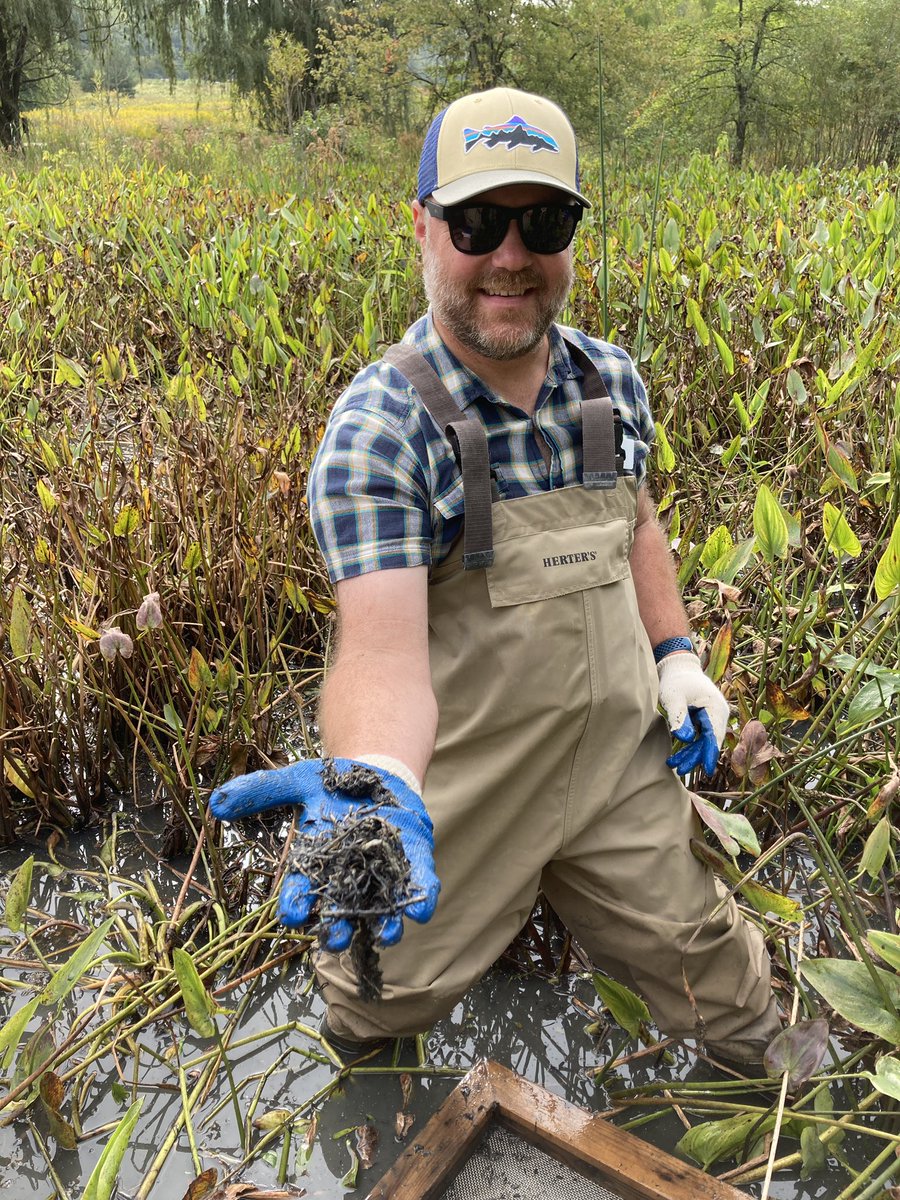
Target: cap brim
<point>486,181</point>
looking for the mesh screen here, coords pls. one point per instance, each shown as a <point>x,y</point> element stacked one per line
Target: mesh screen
<point>506,1167</point>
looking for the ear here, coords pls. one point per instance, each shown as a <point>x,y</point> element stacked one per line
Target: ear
<point>419,217</point>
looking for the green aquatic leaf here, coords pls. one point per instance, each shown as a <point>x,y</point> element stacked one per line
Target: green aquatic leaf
<point>198,1004</point>
<point>886,946</point>
<point>11,1032</point>
<point>769,525</point>
<point>16,904</point>
<point>711,1141</point>
<point>626,1008</point>
<point>732,829</point>
<point>717,544</point>
<point>349,1180</point>
<point>76,965</point>
<point>724,352</point>
<point>104,1175</point>
<point>886,1078</point>
<point>839,537</point>
<point>875,851</point>
<point>887,573</point>
<point>850,990</point>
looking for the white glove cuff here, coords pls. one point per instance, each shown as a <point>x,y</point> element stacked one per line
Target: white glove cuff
<point>681,660</point>
<point>395,766</point>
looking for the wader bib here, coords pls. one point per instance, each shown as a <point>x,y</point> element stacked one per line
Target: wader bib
<point>549,767</point>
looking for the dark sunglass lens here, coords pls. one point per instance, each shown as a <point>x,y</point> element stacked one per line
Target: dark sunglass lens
<point>548,228</point>
<point>478,228</point>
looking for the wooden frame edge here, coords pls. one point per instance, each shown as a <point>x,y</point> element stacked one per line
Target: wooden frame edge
<point>490,1092</point>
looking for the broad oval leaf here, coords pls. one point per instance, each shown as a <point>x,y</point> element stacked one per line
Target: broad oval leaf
<point>18,895</point>
<point>850,990</point>
<point>799,1050</point>
<point>732,829</point>
<point>876,849</point>
<point>11,1032</point>
<point>718,544</point>
<point>839,537</point>
<point>885,945</point>
<point>887,573</point>
<point>886,1078</point>
<point>710,1141</point>
<point>626,1008</point>
<point>769,525</point>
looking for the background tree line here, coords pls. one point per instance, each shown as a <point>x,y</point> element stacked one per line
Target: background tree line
<point>784,81</point>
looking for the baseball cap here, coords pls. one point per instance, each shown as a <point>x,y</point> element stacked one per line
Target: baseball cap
<point>490,139</point>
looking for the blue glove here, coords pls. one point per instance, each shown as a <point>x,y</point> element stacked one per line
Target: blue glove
<point>697,712</point>
<point>302,785</point>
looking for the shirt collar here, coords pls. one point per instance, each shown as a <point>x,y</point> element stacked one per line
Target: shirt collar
<point>464,385</point>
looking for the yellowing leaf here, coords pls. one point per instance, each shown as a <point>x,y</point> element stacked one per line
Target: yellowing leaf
<point>18,895</point>
<point>665,455</point>
<point>199,675</point>
<point>47,498</point>
<point>14,771</point>
<point>127,520</point>
<point>839,537</point>
<point>841,468</point>
<point>21,620</point>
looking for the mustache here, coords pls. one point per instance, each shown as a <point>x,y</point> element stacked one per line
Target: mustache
<point>511,280</point>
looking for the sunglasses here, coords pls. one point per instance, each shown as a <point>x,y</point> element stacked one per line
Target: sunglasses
<point>481,228</point>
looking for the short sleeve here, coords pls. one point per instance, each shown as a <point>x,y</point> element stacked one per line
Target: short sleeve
<point>368,496</point>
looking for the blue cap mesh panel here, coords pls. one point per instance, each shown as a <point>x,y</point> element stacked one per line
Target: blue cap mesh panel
<point>428,165</point>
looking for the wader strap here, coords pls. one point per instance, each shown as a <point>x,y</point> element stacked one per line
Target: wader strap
<point>470,445</point>
<point>601,429</point>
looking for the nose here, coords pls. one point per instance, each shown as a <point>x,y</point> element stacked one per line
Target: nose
<point>512,253</point>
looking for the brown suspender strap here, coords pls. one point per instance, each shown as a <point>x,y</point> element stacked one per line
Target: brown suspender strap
<point>598,438</point>
<point>469,441</point>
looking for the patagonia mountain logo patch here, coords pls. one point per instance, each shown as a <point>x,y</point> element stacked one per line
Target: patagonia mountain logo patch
<point>568,560</point>
<point>512,134</point>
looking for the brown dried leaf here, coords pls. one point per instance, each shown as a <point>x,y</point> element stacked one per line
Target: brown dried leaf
<point>403,1122</point>
<point>52,1091</point>
<point>202,1185</point>
<point>405,1089</point>
<point>751,756</point>
<point>366,1144</point>
<point>886,794</point>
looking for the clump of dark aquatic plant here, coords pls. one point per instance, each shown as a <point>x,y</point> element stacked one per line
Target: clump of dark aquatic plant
<point>358,870</point>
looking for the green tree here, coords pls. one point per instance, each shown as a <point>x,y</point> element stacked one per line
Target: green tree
<point>37,35</point>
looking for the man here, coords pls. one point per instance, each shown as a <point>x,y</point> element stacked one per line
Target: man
<point>503,590</point>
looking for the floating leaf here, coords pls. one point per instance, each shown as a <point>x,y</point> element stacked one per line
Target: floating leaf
<point>366,1144</point>
<point>626,1008</point>
<point>349,1180</point>
<point>198,1004</point>
<point>769,525</point>
<point>711,1141</point>
<point>850,990</point>
<point>65,978</point>
<point>201,1187</point>
<point>813,1153</point>
<point>275,1118</point>
<point>886,1078</point>
<point>799,1050</point>
<point>104,1175</point>
<point>839,537</point>
<point>887,573</point>
<point>18,895</point>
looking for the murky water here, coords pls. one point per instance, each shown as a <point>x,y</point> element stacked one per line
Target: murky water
<point>524,1022</point>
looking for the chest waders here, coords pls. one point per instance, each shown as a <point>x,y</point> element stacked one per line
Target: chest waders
<point>549,767</point>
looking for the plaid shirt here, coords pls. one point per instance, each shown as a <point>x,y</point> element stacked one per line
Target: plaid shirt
<point>385,489</point>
